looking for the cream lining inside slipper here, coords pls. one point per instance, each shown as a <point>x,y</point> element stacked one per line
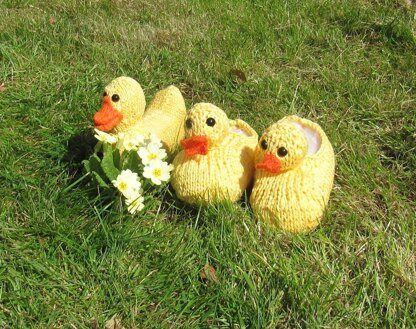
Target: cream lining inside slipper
<point>312,136</point>
<point>239,131</point>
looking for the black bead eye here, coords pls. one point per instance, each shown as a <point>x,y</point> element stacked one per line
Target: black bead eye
<point>105,94</point>
<point>188,123</point>
<point>211,122</point>
<point>264,144</point>
<point>115,98</point>
<point>281,152</point>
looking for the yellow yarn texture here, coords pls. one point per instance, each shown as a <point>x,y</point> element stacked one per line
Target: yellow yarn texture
<point>295,165</point>
<point>131,101</point>
<point>220,161</point>
<point>164,116</point>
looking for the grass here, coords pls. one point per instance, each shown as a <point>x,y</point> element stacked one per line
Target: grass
<point>67,260</point>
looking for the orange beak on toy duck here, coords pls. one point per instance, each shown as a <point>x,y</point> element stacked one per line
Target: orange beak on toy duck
<point>270,163</point>
<point>195,145</point>
<point>107,117</point>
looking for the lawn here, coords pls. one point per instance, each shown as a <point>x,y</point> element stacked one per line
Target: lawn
<point>69,260</point>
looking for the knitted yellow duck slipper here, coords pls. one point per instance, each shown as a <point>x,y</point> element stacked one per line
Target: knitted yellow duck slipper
<point>295,166</point>
<point>217,160</point>
<point>123,111</point>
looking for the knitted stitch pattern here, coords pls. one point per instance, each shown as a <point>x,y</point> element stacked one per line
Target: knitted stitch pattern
<point>217,162</point>
<point>165,116</point>
<point>123,96</point>
<point>123,112</point>
<point>295,166</point>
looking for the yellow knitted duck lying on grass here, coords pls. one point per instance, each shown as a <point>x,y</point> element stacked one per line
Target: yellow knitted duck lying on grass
<point>295,166</point>
<point>217,160</point>
<point>123,111</point>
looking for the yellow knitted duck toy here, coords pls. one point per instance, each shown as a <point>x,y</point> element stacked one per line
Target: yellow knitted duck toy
<point>294,175</point>
<point>217,160</point>
<point>123,111</point>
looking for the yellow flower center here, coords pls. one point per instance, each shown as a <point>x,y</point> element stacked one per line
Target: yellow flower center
<point>152,156</point>
<point>157,172</point>
<point>122,186</point>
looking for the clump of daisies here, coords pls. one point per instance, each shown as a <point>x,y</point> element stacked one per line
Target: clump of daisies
<point>135,166</point>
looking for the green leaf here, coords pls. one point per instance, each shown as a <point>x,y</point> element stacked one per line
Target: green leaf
<point>116,158</point>
<point>87,167</point>
<point>107,163</point>
<point>97,178</point>
<point>131,161</point>
<point>98,146</point>
<point>95,164</point>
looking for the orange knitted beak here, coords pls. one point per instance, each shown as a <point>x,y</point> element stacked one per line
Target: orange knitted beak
<point>195,145</point>
<point>270,163</point>
<point>107,117</point>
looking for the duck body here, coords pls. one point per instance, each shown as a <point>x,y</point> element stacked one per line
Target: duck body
<point>123,112</point>
<point>224,168</point>
<point>294,196</point>
<point>163,117</point>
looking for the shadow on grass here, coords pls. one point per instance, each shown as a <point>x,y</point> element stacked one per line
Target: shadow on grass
<point>200,216</point>
<point>79,147</point>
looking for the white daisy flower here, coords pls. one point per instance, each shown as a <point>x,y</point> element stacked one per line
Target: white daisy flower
<point>155,140</point>
<point>132,143</point>
<point>157,171</point>
<point>128,183</point>
<point>151,153</point>
<point>104,137</point>
<point>135,204</point>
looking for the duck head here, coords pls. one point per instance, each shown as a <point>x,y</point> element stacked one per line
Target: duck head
<point>123,105</point>
<point>285,144</point>
<point>205,127</point>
